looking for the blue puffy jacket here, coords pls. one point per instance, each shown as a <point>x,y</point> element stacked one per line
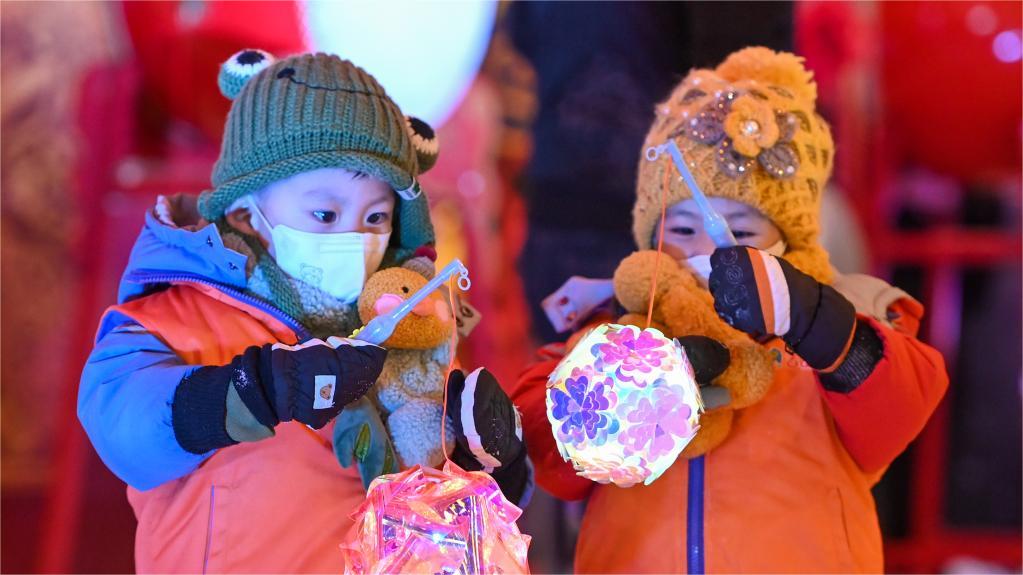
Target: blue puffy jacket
<point>128,383</point>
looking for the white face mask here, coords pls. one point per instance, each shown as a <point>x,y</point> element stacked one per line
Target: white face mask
<point>701,264</point>
<point>337,263</point>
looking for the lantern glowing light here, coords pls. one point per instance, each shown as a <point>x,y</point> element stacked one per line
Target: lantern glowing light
<point>623,404</point>
<point>431,521</point>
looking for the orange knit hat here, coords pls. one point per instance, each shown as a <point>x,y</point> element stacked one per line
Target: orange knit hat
<point>750,132</point>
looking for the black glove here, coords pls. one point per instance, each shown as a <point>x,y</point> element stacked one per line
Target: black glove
<point>309,383</point>
<point>762,295</point>
<point>709,358</point>
<point>488,431</point>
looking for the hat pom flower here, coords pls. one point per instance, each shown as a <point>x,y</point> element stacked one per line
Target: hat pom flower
<point>751,125</point>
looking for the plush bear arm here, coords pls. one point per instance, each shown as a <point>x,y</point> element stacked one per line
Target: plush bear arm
<point>634,274</point>
<point>714,429</point>
<point>639,320</point>
<point>689,310</point>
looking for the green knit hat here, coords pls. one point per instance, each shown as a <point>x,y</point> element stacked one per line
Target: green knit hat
<point>315,111</point>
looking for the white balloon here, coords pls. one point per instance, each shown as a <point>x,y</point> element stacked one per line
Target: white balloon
<point>425,53</point>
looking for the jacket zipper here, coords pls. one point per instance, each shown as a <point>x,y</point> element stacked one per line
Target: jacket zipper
<point>273,311</point>
<point>694,517</point>
<point>209,531</point>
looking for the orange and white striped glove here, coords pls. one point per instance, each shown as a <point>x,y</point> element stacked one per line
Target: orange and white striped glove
<point>763,295</point>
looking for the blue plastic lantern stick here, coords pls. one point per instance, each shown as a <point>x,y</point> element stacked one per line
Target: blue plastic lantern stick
<point>719,232</point>
<point>382,326</point>
<point>694,518</point>
<point>715,225</point>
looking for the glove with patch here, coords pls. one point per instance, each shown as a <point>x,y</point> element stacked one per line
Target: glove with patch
<point>216,406</point>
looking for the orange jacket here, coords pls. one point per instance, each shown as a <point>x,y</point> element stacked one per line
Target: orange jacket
<point>277,505</point>
<point>788,491</point>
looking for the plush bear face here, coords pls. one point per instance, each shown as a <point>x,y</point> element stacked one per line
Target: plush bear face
<point>430,323</point>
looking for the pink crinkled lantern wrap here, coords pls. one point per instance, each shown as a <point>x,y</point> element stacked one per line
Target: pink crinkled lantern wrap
<point>428,521</point>
<point>623,404</point>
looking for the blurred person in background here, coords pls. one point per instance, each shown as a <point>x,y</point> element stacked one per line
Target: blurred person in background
<point>595,86</point>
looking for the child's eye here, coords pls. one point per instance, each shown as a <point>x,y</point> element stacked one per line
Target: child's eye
<point>325,216</point>
<point>377,218</point>
<point>740,234</point>
<point>682,231</point>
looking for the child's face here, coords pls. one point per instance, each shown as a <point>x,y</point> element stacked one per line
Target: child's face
<point>684,236</point>
<point>329,200</point>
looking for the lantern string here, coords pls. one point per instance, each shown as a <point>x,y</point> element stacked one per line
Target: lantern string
<point>666,180</point>
<point>451,368</point>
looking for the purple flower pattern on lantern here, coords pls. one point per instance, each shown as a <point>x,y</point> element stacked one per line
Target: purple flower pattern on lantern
<point>654,421</point>
<point>634,356</point>
<point>623,404</point>
<point>584,408</point>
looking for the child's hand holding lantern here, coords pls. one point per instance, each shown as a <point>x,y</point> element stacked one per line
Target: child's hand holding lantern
<point>488,430</point>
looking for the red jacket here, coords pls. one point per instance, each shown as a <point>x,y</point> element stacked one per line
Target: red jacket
<point>788,491</point>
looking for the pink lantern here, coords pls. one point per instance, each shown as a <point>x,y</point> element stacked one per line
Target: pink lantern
<point>429,521</point>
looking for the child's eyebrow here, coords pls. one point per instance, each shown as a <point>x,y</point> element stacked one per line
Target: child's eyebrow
<point>319,194</point>
<point>683,212</point>
<point>384,201</point>
<point>742,215</point>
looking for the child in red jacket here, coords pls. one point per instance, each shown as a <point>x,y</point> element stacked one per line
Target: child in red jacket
<point>823,383</point>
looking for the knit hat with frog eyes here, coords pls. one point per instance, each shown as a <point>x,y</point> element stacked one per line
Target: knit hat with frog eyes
<point>749,132</point>
<point>314,111</point>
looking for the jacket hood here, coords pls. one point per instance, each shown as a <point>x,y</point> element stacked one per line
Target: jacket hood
<point>176,244</point>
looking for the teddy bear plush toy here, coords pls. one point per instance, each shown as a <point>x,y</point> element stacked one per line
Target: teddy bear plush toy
<point>397,424</point>
<point>682,308</point>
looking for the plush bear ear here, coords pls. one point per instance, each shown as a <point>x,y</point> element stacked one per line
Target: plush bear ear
<point>424,140</point>
<point>421,265</point>
<point>241,66</point>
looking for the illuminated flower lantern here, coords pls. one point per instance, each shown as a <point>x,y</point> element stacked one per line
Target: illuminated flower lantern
<point>623,404</point>
<point>428,521</point>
